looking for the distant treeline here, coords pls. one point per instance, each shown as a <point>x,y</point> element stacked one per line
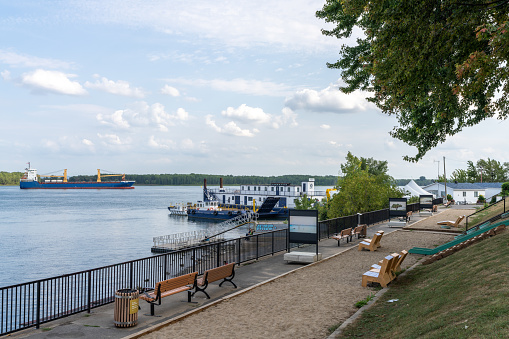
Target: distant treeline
<point>213,180</point>
<point>422,181</point>
<point>7,178</point>
<point>12,178</point>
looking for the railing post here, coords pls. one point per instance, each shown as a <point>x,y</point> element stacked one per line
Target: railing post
<point>89,291</point>
<point>257,246</point>
<point>272,243</point>
<point>165,267</point>
<point>238,251</point>
<point>131,275</point>
<point>38,315</point>
<point>218,253</point>
<point>194,259</point>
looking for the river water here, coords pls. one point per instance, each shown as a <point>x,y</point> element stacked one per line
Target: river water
<point>46,233</point>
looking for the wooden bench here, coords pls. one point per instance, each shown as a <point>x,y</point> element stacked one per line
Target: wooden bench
<point>360,230</point>
<point>344,234</point>
<point>225,272</point>
<point>169,287</point>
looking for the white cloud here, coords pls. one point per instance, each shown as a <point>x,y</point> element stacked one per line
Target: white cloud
<point>171,91</point>
<point>324,126</point>
<point>161,143</point>
<point>119,87</point>
<point>52,81</point>
<point>87,142</point>
<point>141,114</point>
<point>330,99</point>
<point>247,114</point>
<point>255,115</point>
<point>14,59</point>
<point>6,75</point>
<point>263,23</point>
<point>230,128</point>
<point>182,114</point>
<point>238,85</point>
<point>113,140</point>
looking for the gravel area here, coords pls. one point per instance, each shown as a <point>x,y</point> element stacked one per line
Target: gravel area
<point>304,303</point>
<point>444,214</point>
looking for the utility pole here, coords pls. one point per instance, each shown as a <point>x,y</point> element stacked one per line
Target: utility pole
<point>445,182</point>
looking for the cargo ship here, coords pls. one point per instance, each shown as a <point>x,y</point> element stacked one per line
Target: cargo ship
<point>31,180</point>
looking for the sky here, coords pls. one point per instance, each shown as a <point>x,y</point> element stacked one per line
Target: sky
<point>211,87</point>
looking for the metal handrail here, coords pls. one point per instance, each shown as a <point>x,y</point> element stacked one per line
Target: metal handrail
<point>502,201</point>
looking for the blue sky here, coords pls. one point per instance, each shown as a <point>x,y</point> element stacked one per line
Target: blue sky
<point>222,87</point>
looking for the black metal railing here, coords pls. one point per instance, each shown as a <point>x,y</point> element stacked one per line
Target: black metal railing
<point>489,213</point>
<point>34,303</point>
<point>37,302</point>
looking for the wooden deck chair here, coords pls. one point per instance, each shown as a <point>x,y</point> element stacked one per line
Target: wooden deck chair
<point>397,265</point>
<point>371,244</point>
<point>452,223</point>
<point>382,276</point>
<point>392,272</point>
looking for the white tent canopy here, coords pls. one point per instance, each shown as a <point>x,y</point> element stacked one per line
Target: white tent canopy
<point>414,190</point>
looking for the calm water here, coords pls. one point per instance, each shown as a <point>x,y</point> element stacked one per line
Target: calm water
<point>45,233</point>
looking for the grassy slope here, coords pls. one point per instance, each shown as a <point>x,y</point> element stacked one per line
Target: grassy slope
<point>465,295</point>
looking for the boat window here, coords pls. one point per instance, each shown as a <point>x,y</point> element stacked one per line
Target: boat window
<point>272,188</point>
<point>250,199</point>
<point>265,188</point>
<point>248,188</point>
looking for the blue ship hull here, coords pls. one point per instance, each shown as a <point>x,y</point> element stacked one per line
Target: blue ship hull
<point>225,215</point>
<point>77,185</point>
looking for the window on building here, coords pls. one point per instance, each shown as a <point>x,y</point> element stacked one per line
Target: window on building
<point>298,189</point>
<point>476,194</point>
<point>265,188</point>
<point>272,189</point>
<point>464,194</point>
<point>248,188</point>
<point>250,199</point>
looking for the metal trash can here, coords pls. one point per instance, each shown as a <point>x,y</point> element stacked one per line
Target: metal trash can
<point>126,308</point>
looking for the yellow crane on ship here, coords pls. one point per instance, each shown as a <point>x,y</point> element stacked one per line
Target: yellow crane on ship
<point>55,176</point>
<point>108,175</point>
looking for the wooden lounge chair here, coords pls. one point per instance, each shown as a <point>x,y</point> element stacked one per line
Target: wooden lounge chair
<point>452,223</point>
<point>382,276</point>
<point>397,263</point>
<point>371,244</point>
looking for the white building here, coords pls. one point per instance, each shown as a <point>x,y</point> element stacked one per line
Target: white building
<point>465,192</point>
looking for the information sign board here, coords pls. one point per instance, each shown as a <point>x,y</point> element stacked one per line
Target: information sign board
<point>303,227</point>
<point>425,201</point>
<point>397,207</point>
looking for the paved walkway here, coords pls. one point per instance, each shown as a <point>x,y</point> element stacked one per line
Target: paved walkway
<point>99,323</point>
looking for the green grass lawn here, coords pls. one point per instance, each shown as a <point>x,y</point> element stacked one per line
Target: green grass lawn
<point>465,295</point>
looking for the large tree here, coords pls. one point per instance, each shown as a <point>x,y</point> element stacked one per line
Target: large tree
<point>364,186</point>
<point>435,65</point>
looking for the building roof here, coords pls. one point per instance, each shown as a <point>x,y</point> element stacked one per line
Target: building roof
<point>470,186</point>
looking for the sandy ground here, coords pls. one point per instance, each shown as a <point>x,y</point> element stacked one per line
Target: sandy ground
<point>446,214</point>
<point>304,303</point>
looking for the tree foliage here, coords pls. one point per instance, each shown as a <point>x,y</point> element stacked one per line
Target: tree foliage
<point>365,186</point>
<point>10,178</point>
<point>435,65</point>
